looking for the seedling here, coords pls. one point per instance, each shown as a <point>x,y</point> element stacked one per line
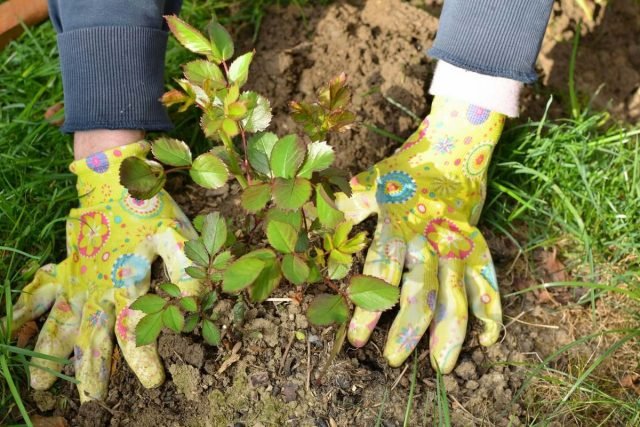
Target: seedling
<point>293,231</point>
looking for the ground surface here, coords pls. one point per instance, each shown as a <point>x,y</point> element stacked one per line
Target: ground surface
<point>262,375</point>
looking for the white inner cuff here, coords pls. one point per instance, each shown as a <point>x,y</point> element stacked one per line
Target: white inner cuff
<point>497,94</point>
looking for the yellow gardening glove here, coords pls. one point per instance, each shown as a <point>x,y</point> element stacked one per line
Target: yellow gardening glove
<point>428,198</point>
<point>112,239</point>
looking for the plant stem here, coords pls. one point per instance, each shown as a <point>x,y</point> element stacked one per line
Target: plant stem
<point>176,169</point>
<point>247,169</point>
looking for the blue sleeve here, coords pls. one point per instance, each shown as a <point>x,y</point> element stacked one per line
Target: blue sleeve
<point>494,37</point>
<point>112,62</point>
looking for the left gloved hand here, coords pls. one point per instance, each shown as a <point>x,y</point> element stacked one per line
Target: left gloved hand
<point>428,198</point>
<point>112,239</point>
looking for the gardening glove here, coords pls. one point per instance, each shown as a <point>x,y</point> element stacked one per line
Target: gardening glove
<point>112,240</point>
<point>428,198</point>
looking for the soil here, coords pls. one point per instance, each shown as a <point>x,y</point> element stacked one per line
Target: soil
<point>266,373</point>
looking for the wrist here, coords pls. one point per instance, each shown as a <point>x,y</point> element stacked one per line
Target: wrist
<point>86,143</point>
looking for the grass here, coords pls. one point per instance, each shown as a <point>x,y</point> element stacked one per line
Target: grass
<point>572,183</point>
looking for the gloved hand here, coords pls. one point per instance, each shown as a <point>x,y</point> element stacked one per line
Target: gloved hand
<point>428,198</point>
<point>112,239</point>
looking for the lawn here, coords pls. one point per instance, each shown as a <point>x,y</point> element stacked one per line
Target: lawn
<point>565,185</point>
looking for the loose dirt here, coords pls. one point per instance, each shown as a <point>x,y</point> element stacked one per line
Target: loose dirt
<point>263,375</point>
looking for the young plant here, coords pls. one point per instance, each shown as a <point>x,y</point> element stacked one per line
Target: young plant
<point>293,229</point>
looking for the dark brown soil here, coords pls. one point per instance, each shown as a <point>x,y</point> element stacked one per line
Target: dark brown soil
<point>249,381</point>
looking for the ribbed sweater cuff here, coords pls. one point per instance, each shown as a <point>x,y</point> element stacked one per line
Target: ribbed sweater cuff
<point>113,78</point>
<point>494,37</point>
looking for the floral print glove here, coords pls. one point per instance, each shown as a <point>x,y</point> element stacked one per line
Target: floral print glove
<point>428,198</point>
<point>112,239</point>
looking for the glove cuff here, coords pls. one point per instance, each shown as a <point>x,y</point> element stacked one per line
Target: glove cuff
<point>497,94</point>
<point>99,173</point>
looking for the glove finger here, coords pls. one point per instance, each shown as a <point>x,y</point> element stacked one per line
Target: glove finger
<point>170,247</point>
<point>56,339</point>
<point>36,298</point>
<point>362,202</point>
<point>385,260</point>
<point>482,290</point>
<point>417,302</point>
<point>94,347</point>
<point>450,322</point>
<point>144,360</point>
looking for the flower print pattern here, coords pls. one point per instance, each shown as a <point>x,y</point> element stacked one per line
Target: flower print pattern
<point>477,161</point>
<point>94,233</point>
<point>431,299</point>
<point>447,240</point>
<point>444,145</point>
<point>98,162</point>
<point>98,319</point>
<point>408,338</point>
<point>444,186</point>
<point>142,208</point>
<point>129,270</point>
<point>395,187</point>
<point>489,273</point>
<point>477,115</point>
<point>122,324</point>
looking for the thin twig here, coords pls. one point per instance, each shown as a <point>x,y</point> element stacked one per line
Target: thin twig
<point>308,364</point>
<point>286,352</point>
<point>399,377</point>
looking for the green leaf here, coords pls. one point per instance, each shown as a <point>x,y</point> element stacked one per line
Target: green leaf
<point>259,148</point>
<point>259,112</point>
<point>171,151</point>
<point>214,232</point>
<point>196,272</point>
<point>208,300</point>
<point>291,194</point>
<point>295,269</point>
<point>287,156</point>
<point>294,218</point>
<point>189,304</point>
<point>282,236</point>
<point>255,197</point>
<point>190,323</point>
<point>328,214</point>
<point>328,309</point>
<point>171,289</point>
<point>337,270</point>
<point>148,329</point>
<point>340,257</point>
<point>149,303</point>
<point>239,311</point>
<point>302,245</point>
<point>220,40</point>
<point>342,233</point>
<point>142,178</point>
<point>236,110</point>
<point>173,318</point>
<point>221,262</point>
<point>210,332</point>
<point>200,70</point>
<point>337,178</point>
<point>242,273</point>
<point>188,36</point>
<point>355,244</point>
<point>320,156</point>
<point>314,273</point>
<point>196,252</point>
<point>239,69</point>
<point>209,171</point>
<point>371,293</point>
<point>268,280</point>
